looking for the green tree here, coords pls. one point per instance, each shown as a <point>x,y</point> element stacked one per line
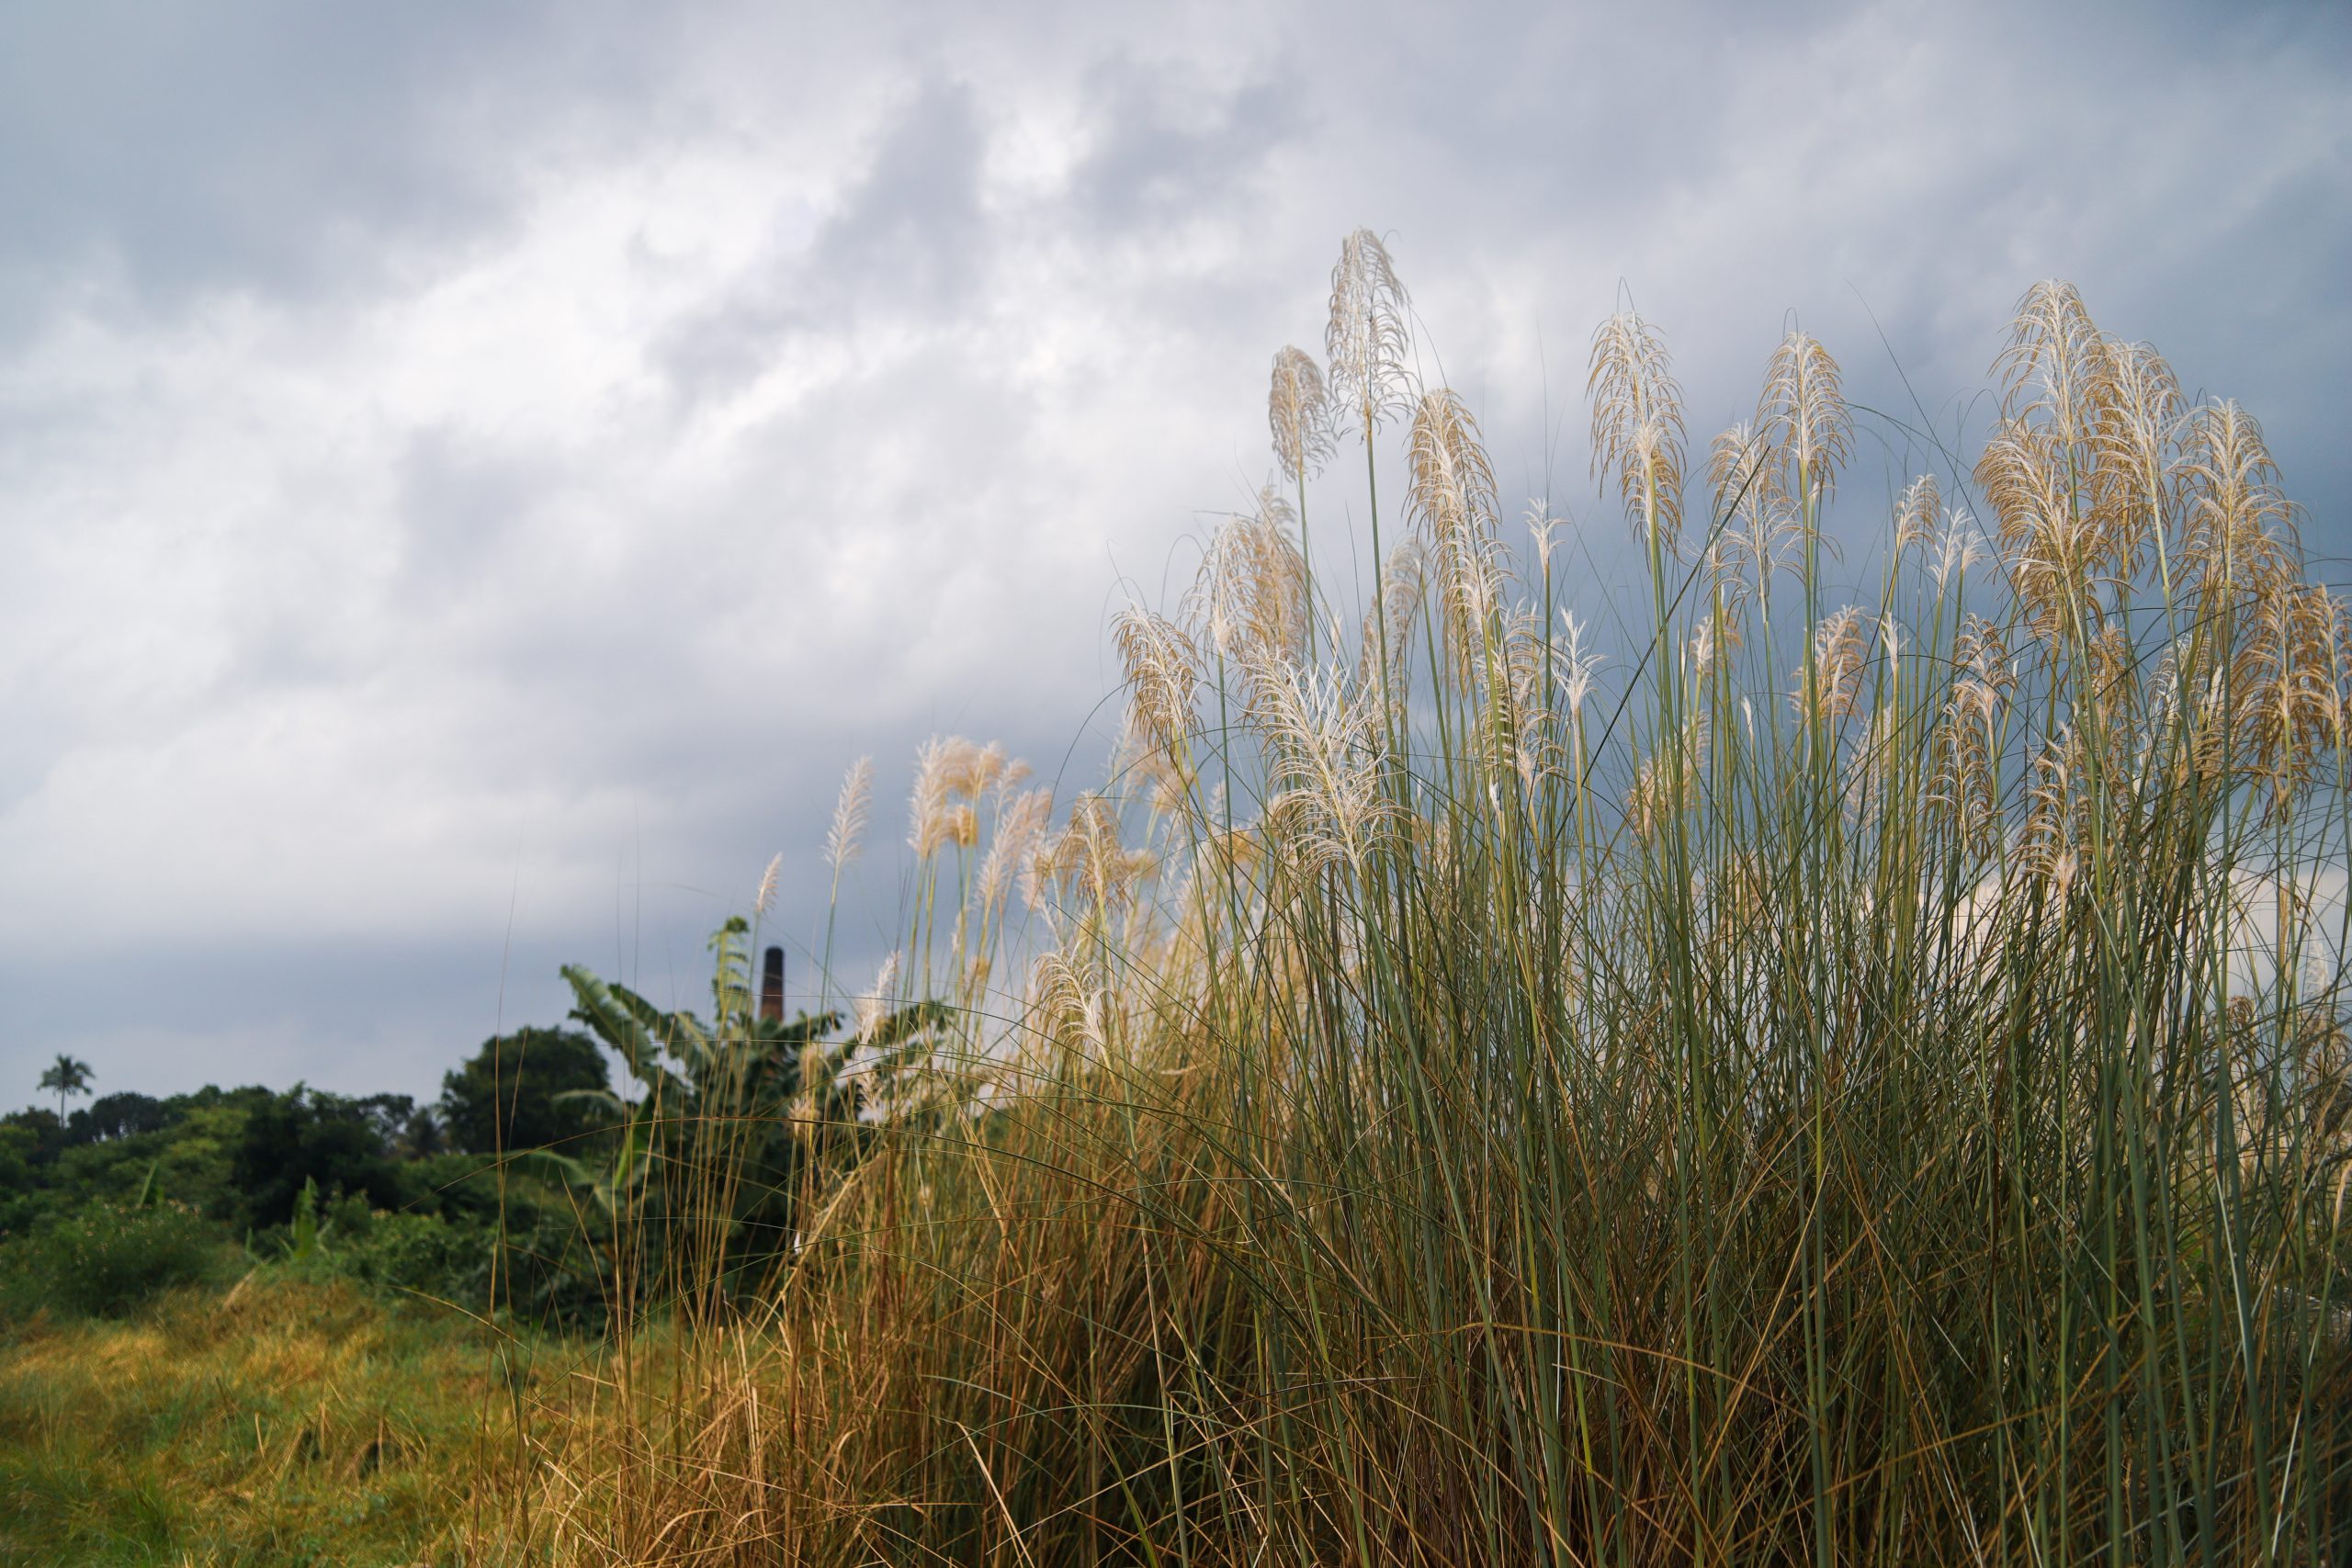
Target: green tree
<point>303,1136</point>
<point>124,1114</point>
<point>523,1091</point>
<point>66,1076</point>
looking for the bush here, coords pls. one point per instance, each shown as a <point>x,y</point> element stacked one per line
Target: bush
<point>308,1135</point>
<point>106,1261</point>
<point>407,1252</point>
<point>542,1267</point>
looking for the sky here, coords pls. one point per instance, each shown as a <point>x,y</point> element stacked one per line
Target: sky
<point>472,476</point>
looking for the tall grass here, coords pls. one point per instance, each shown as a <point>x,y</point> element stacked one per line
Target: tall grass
<point>1830,1083</point>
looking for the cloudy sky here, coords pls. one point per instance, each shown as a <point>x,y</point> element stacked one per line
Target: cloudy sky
<point>471,475</point>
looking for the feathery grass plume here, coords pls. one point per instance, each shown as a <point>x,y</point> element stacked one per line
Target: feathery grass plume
<point>1968,737</point>
<point>1330,748</point>
<point>1019,829</point>
<point>1367,336</point>
<point>851,810</point>
<point>2240,523</point>
<point>1066,1010</point>
<point>1452,490</point>
<point>1746,484</point>
<point>1577,666</point>
<point>2056,366</point>
<point>1958,547</point>
<point>1404,578</point>
<point>1803,417</point>
<point>1841,645</point>
<point>879,999</point>
<point>1702,649</point>
<point>1251,589</point>
<point>971,771</point>
<point>1667,781</point>
<point>2138,423</point>
<point>2052,551</point>
<point>1168,791</point>
<point>1112,871</point>
<point>1758,539</point>
<point>1087,868</point>
<point>1872,766</point>
<point>1221,851</point>
<point>2112,692</point>
<point>2293,691</point>
<point>2057,811</point>
<point>819,1069</point>
<point>1637,425</point>
<point>1299,414</point>
<point>1525,721</point>
<point>1163,671</point>
<point>764,900</point>
<point>1541,526</point>
<point>939,763</point>
<point>2073,523</point>
<point>1916,514</point>
<point>1453,498</point>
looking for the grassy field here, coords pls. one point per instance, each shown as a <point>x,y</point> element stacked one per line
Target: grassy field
<point>281,1422</point>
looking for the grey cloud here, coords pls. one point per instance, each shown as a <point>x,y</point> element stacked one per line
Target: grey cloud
<point>458,495</point>
<point>910,231</point>
<point>907,240</point>
<point>1176,150</point>
<point>265,147</point>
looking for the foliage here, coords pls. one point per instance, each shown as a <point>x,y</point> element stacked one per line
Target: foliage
<point>106,1261</point>
<point>510,1094</point>
<point>531,1260</point>
<point>323,1186</point>
<point>65,1076</point>
<point>304,1137</point>
<point>736,1118</point>
<point>124,1114</point>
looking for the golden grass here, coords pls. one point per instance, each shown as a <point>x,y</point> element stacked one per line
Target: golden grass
<point>287,1422</point>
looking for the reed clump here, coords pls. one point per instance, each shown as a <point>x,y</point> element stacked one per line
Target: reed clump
<point>1823,1082</point>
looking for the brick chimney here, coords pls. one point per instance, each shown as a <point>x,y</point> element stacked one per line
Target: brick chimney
<point>772,986</point>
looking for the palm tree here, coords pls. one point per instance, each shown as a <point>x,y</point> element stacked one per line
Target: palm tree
<point>66,1076</point>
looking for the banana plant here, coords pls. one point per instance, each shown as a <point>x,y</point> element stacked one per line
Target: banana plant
<point>763,1094</point>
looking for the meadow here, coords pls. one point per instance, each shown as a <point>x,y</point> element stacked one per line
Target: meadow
<point>1783,1073</point>
<point>282,1422</point>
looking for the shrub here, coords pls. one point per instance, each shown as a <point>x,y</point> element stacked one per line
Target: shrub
<point>306,1135</point>
<point>106,1261</point>
<point>409,1252</point>
<point>538,1266</point>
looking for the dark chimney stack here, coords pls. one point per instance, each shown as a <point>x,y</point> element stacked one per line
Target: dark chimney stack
<point>772,987</point>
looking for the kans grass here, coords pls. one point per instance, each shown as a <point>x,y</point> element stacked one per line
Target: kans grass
<point>1812,1082</point>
